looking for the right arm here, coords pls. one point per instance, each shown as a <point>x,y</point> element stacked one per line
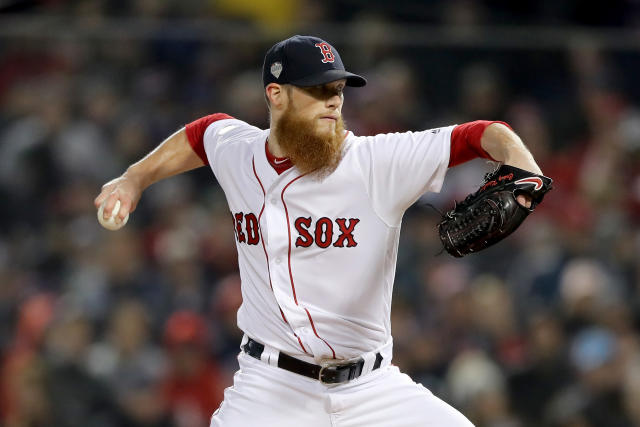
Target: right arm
<point>173,156</point>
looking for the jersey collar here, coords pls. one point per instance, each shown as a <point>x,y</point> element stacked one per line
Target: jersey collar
<point>279,164</point>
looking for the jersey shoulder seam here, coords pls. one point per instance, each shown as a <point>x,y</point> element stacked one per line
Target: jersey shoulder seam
<point>216,127</point>
<point>221,123</point>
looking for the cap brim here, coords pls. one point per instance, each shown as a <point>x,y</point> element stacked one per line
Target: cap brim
<point>331,76</point>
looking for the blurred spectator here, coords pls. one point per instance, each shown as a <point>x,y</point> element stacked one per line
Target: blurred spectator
<point>546,371</point>
<point>586,289</point>
<point>131,365</point>
<point>478,387</point>
<point>193,386</point>
<point>76,398</point>
<point>23,397</point>
<point>631,389</point>
<point>225,302</point>
<point>597,397</point>
<point>495,320</point>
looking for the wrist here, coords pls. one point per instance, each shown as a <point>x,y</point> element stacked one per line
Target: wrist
<point>523,160</point>
<point>505,146</point>
<point>138,176</point>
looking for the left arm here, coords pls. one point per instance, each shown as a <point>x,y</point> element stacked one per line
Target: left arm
<point>494,141</point>
<point>491,213</point>
<point>503,145</point>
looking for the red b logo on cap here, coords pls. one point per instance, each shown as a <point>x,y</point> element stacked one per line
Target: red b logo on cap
<point>326,52</point>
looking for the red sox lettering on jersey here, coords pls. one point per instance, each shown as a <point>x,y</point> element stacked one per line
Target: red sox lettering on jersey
<point>323,233</point>
<point>317,256</point>
<point>245,227</point>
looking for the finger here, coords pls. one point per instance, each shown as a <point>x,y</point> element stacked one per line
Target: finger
<point>125,208</point>
<point>103,195</point>
<point>109,204</point>
<point>107,189</point>
<point>524,200</point>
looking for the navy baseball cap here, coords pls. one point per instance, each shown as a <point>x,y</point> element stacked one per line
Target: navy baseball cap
<point>305,61</point>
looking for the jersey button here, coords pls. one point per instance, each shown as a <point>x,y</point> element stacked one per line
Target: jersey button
<point>274,201</point>
<point>278,260</point>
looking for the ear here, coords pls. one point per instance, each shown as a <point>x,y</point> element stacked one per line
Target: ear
<point>276,95</point>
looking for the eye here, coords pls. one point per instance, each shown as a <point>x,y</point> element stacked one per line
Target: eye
<point>315,91</point>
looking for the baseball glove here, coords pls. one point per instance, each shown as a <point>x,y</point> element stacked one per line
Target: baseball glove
<point>491,213</point>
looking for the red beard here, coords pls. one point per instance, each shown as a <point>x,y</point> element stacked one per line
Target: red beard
<point>311,151</point>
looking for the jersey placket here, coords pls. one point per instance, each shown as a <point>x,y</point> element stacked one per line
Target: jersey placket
<point>275,228</point>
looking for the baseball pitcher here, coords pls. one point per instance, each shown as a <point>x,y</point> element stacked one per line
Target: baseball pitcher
<point>317,213</point>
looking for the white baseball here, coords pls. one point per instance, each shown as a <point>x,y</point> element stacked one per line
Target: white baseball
<point>110,224</point>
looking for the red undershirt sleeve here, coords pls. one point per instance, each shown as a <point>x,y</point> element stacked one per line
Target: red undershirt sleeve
<point>465,142</point>
<point>195,133</point>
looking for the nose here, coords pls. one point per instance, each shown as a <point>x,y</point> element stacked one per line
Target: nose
<point>334,102</point>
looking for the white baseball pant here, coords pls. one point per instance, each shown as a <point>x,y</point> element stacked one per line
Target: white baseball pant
<point>268,396</point>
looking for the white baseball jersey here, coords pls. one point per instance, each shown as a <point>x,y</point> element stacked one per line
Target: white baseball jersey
<point>317,258</point>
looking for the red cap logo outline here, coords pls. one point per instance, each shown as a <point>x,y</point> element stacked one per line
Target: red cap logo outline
<point>327,54</point>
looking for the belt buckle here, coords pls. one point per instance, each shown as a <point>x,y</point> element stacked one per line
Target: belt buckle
<point>337,366</point>
<point>322,368</point>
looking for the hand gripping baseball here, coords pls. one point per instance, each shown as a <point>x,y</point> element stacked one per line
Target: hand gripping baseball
<point>122,191</point>
<point>493,212</point>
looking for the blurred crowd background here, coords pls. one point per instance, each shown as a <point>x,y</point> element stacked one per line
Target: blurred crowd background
<point>137,327</point>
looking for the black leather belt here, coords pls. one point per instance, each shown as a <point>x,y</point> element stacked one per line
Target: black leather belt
<point>330,374</point>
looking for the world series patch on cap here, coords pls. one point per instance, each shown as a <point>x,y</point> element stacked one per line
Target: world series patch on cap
<point>306,61</point>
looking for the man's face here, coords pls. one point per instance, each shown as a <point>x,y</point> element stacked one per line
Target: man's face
<point>320,105</point>
<point>310,129</point>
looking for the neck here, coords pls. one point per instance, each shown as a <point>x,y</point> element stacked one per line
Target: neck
<point>274,146</point>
